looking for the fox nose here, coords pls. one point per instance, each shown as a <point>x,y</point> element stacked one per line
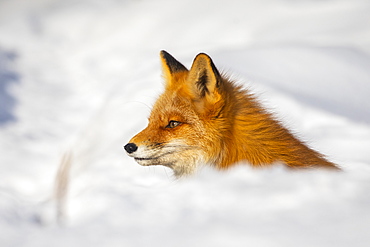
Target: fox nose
<point>130,147</point>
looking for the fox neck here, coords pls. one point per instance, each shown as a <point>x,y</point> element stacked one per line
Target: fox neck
<point>248,133</point>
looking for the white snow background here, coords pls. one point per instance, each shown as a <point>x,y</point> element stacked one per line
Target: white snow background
<point>77,79</point>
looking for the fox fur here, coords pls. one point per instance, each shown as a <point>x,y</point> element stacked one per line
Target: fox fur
<point>205,118</point>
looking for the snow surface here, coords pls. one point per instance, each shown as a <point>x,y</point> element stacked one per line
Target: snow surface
<point>77,79</point>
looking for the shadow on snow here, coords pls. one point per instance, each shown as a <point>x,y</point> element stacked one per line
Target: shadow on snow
<point>7,76</point>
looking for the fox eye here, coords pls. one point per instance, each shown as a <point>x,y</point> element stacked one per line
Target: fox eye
<point>173,124</point>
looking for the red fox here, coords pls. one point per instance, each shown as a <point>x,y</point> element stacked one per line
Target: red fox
<point>204,117</point>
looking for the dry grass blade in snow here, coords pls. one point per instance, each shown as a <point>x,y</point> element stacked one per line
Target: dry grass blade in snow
<point>61,186</point>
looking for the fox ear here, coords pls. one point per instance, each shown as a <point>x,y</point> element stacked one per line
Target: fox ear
<point>170,66</point>
<point>204,79</point>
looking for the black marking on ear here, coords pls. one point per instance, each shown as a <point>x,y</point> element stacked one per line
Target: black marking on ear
<point>217,74</point>
<point>202,84</point>
<point>173,65</point>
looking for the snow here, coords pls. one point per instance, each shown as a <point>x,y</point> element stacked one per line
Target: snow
<point>77,78</point>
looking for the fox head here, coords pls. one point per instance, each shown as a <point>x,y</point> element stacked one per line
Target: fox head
<point>184,125</point>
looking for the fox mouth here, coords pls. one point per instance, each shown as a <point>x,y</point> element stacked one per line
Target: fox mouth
<point>153,161</point>
<point>137,158</point>
<point>157,157</point>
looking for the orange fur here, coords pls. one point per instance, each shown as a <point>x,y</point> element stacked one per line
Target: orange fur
<point>203,117</point>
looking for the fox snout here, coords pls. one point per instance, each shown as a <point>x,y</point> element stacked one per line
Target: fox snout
<point>130,148</point>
